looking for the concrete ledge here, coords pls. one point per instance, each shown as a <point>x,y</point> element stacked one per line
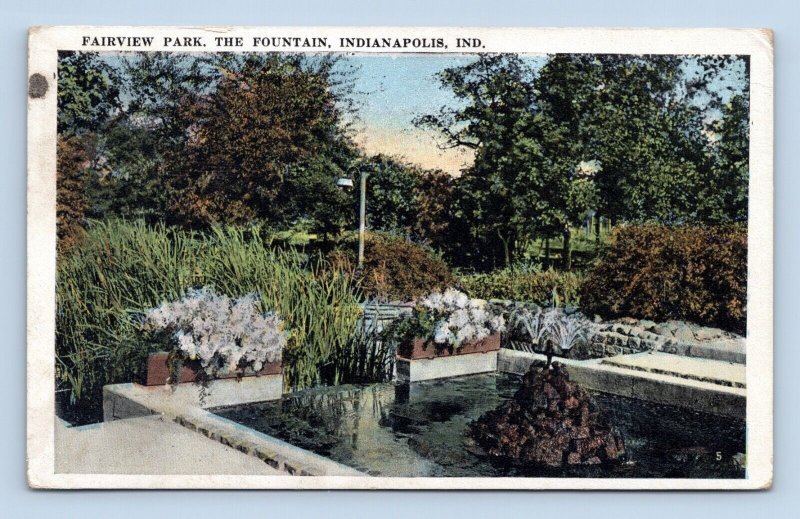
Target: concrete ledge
<point>272,451</point>
<point>232,391</point>
<point>651,387</point>
<point>729,350</point>
<point>183,407</point>
<point>717,372</point>
<point>445,367</point>
<point>219,392</point>
<point>118,406</point>
<point>149,445</point>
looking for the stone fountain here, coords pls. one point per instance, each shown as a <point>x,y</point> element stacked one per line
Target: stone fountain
<point>550,422</point>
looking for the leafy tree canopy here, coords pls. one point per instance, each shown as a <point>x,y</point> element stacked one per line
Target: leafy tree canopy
<point>626,137</point>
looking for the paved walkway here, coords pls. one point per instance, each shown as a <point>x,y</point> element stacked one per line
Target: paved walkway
<point>147,445</point>
<point>693,368</point>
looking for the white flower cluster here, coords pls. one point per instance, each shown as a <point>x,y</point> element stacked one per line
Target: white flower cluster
<point>224,334</point>
<point>464,319</point>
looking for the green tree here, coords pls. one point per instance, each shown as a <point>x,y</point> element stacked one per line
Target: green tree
<point>434,208</point>
<point>618,112</point>
<point>724,198</point>
<point>129,140</point>
<point>308,193</point>
<point>88,92</point>
<point>525,180</point>
<point>159,86</point>
<point>89,105</point>
<point>392,194</point>
<point>204,138</point>
<point>642,122</point>
<point>497,198</point>
<point>268,115</point>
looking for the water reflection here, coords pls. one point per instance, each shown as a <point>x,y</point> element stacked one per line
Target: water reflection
<point>402,393</point>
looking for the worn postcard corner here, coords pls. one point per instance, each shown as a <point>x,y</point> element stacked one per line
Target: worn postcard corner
<point>399,258</point>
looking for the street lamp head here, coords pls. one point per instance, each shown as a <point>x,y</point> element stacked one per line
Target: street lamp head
<point>344,182</point>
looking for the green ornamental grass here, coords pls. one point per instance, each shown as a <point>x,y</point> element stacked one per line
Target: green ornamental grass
<point>125,268</point>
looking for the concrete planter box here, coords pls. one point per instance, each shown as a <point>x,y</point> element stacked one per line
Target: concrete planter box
<point>157,372</point>
<point>421,348</point>
<point>421,360</point>
<point>266,384</point>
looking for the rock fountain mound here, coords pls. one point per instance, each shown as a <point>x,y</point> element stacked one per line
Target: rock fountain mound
<point>551,422</point>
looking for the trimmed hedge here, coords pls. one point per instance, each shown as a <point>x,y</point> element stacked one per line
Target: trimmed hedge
<point>534,287</point>
<point>696,274</point>
<point>394,269</point>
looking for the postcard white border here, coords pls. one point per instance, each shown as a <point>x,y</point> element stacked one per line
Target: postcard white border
<point>44,42</point>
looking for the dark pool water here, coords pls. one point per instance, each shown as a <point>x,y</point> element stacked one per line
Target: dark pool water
<point>418,430</point>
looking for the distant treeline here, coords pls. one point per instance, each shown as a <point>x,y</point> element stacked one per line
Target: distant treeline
<point>193,140</point>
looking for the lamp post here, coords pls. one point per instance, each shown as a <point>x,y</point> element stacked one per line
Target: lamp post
<point>346,182</point>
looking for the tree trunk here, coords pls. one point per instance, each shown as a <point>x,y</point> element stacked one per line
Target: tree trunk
<point>546,252</point>
<point>508,249</point>
<point>597,229</point>
<point>566,253</point>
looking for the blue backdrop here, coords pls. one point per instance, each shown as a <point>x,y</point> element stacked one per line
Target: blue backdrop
<point>18,501</point>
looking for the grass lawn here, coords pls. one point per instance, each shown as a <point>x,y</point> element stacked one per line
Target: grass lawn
<point>584,248</point>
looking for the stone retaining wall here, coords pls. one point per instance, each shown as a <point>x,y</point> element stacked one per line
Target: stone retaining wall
<point>627,335</point>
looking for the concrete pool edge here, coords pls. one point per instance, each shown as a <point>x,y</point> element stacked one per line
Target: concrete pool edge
<point>121,401</point>
<point>658,388</point>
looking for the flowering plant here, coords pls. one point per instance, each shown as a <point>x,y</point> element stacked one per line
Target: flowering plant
<point>450,319</point>
<point>220,335</point>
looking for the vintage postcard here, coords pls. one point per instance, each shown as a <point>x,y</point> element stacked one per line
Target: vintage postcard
<point>399,258</point>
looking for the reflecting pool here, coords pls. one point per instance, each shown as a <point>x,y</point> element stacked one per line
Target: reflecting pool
<point>419,430</point>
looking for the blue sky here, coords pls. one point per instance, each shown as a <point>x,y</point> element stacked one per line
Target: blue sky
<point>394,89</point>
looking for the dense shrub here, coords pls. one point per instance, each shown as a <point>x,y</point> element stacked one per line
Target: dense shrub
<point>73,158</point>
<point>394,269</point>
<point>123,269</point>
<point>697,274</point>
<point>546,288</point>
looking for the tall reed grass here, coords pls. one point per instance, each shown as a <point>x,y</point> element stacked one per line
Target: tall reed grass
<point>124,268</point>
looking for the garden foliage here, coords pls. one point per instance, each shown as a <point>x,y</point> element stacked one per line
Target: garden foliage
<point>268,114</point>
<point>243,138</point>
<point>697,274</point>
<point>623,137</point>
<point>71,204</point>
<point>394,269</point>
<point>203,142</point>
<point>123,269</point>
<point>545,288</point>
